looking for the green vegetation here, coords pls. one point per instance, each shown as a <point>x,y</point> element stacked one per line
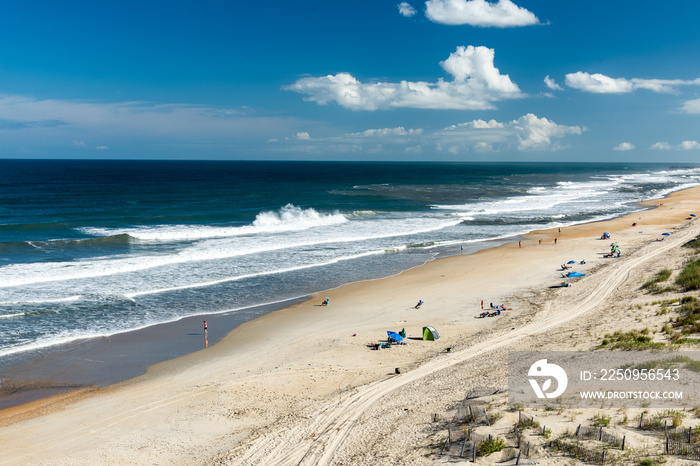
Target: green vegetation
<point>601,420</point>
<point>653,285</point>
<point>693,244</point>
<point>634,340</point>
<point>689,319</point>
<point>490,446</point>
<point>689,278</point>
<point>647,462</point>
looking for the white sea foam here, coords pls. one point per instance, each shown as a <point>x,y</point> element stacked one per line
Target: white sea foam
<point>215,249</point>
<point>288,218</point>
<point>253,275</point>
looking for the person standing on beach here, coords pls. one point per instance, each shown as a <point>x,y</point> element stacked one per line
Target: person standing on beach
<point>205,326</point>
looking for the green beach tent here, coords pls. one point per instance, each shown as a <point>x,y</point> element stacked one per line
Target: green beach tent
<point>429,333</point>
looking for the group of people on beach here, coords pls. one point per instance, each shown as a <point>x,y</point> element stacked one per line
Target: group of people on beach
<point>496,310</point>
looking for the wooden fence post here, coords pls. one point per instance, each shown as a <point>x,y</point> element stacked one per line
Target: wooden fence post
<point>578,429</point>
<point>641,419</point>
<point>667,440</point>
<point>517,460</point>
<point>600,434</point>
<point>623,442</point>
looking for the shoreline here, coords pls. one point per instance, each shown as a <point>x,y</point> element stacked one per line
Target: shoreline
<point>310,354</point>
<point>34,386</point>
<point>45,373</point>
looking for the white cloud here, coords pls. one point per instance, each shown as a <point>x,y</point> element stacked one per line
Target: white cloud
<point>405,9</point>
<point>597,83</point>
<point>552,84</point>
<point>540,133</point>
<point>691,106</point>
<point>478,124</point>
<point>80,144</point>
<point>600,84</point>
<point>384,132</point>
<point>476,84</point>
<point>502,14</point>
<point>303,136</point>
<point>483,147</point>
<point>624,146</point>
<point>685,145</point>
<point>661,146</point>
<point>102,148</point>
<point>527,133</point>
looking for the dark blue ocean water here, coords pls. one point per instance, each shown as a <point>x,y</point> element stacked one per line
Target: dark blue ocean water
<point>94,248</point>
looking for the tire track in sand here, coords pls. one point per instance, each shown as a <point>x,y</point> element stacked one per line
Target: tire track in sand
<point>316,442</point>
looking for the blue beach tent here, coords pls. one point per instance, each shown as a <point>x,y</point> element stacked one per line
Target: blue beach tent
<point>575,274</point>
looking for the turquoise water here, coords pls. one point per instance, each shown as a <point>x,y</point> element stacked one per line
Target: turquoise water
<point>95,248</point>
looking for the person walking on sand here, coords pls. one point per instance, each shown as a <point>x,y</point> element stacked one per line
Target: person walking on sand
<point>205,326</point>
<point>420,303</point>
<point>555,241</point>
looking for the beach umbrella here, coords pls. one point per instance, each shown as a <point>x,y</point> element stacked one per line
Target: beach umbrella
<point>394,336</point>
<point>575,274</point>
<point>666,234</point>
<point>571,262</point>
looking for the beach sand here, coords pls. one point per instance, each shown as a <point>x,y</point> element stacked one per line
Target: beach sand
<point>296,387</point>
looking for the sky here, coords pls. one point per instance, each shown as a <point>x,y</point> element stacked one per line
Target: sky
<point>436,80</point>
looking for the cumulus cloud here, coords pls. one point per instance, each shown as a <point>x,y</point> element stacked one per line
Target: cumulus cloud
<point>623,146</point>
<point>527,133</point>
<point>691,106</point>
<point>405,9</point>
<point>600,84</point>
<point>303,135</point>
<point>476,84</point>
<point>481,13</point>
<point>552,84</point>
<point>685,145</point>
<point>478,124</point>
<point>540,133</point>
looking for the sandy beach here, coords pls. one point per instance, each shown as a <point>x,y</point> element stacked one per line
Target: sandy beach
<point>301,385</point>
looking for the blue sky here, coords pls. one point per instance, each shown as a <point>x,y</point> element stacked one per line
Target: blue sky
<point>462,80</point>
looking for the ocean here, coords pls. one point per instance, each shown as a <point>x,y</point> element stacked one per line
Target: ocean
<point>93,249</point>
